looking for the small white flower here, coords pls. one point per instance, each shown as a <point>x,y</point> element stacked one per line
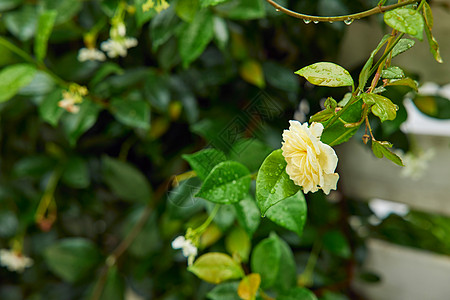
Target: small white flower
<point>189,250</point>
<point>13,261</point>
<point>130,42</point>
<point>121,29</point>
<point>310,163</point>
<point>85,54</point>
<point>114,48</point>
<point>69,102</point>
<point>118,47</point>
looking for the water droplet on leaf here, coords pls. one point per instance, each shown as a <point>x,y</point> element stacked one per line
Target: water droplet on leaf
<point>306,21</point>
<point>315,22</point>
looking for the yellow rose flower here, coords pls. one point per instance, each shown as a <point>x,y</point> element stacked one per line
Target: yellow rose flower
<point>310,163</point>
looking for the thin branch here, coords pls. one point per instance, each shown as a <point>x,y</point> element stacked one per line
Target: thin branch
<point>373,11</point>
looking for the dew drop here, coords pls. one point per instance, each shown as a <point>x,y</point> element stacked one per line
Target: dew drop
<point>315,22</point>
<point>331,22</point>
<point>277,9</point>
<point>306,21</point>
<point>348,21</point>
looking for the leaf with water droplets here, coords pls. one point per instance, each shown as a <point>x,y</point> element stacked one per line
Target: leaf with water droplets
<point>406,20</point>
<point>382,107</point>
<point>290,213</point>
<point>392,72</point>
<point>402,46</point>
<point>380,149</point>
<point>326,74</point>
<point>273,183</point>
<point>203,161</point>
<point>227,183</point>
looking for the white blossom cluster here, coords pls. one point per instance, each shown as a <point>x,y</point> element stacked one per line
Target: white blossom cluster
<point>188,248</point>
<point>14,262</point>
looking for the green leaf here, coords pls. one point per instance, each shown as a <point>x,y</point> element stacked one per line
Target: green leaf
<point>243,9</point>
<point>157,92</point>
<point>433,106</point>
<point>131,113</point>
<point>22,23</point>
<point>41,85</point>
<point>365,72</point>
<point>148,240</point>
<point>206,3</point>
<point>143,16</point>
<point>76,173</point>
<point>106,69</point>
<point>49,109</point>
<point>125,180</point>
<point>273,260</point>
<point>405,82</point>
<point>326,74</point>
<point>392,73</point>
<point>428,15</point>
<point>203,161</point>
<point>335,242</point>
<point>216,267</point>
<point>224,291</point>
<point>297,293</point>
<point>402,46</point>
<point>252,72</point>
<point>187,9</point>
<point>337,133</point>
<point>247,214</point>
<point>405,20</point>
<point>66,9</point>
<point>289,213</point>
<point>195,36</point>
<point>280,77</point>
<point>72,259</point>
<point>382,107</point>
<point>228,182</point>
<point>9,4</point>
<point>380,149</point>
<point>114,288</point>
<point>9,224</point>
<point>249,152</point>
<point>434,46</point>
<point>33,166</point>
<point>44,29</point>
<point>238,243</point>
<point>13,78</point>
<point>163,27</point>
<point>273,183</point>
<point>265,260</point>
<point>74,125</point>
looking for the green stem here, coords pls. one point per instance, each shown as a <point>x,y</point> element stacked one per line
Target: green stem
<point>373,11</point>
<point>48,196</point>
<point>386,53</point>
<point>13,48</point>
<point>199,230</point>
<point>306,278</point>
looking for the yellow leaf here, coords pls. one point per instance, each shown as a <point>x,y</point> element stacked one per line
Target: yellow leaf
<point>252,72</point>
<point>249,286</point>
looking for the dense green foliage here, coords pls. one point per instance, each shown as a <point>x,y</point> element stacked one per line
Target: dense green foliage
<point>90,192</point>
